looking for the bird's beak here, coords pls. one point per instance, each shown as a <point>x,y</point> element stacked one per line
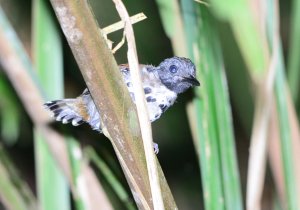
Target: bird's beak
<point>192,80</point>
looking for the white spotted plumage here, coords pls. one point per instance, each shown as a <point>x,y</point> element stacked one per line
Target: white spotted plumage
<point>157,95</point>
<point>161,85</point>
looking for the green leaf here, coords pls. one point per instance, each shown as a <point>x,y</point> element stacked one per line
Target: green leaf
<point>294,51</point>
<point>281,96</point>
<point>110,177</point>
<point>215,139</point>
<point>246,29</point>
<point>15,193</point>
<point>9,113</point>
<point>53,191</point>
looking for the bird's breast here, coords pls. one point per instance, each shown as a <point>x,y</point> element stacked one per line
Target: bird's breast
<point>158,97</point>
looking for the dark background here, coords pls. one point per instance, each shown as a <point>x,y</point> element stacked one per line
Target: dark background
<point>177,154</point>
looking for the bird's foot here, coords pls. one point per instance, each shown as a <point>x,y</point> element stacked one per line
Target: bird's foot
<point>156,149</point>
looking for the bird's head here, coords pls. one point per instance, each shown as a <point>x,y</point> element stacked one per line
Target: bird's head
<point>178,74</point>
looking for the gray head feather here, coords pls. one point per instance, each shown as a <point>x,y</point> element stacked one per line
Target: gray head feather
<point>177,74</point>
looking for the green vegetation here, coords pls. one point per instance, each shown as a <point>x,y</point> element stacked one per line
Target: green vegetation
<point>238,141</point>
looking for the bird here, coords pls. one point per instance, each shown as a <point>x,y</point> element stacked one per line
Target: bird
<point>161,84</point>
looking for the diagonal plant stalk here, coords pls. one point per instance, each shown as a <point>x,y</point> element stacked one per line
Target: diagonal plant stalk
<point>104,81</point>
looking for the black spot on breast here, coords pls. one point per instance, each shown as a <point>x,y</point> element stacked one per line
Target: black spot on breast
<point>128,84</point>
<point>150,68</point>
<point>156,116</point>
<point>147,90</point>
<point>163,107</point>
<point>150,99</point>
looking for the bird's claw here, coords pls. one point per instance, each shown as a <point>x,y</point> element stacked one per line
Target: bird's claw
<point>156,149</point>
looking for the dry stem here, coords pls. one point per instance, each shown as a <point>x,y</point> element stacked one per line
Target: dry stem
<point>141,108</point>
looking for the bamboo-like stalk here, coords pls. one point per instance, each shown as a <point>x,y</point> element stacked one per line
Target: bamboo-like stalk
<point>119,117</point>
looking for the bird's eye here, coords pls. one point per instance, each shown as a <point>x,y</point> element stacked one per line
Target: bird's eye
<point>173,69</point>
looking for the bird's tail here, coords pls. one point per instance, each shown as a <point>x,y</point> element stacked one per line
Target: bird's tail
<point>65,110</point>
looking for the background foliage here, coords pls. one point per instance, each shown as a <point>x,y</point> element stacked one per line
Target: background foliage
<point>224,105</point>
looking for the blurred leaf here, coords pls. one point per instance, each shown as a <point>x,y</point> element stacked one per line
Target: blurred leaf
<point>286,136</point>
<point>47,52</point>
<point>9,113</point>
<point>167,9</point>
<point>110,177</point>
<point>281,96</point>
<point>215,139</point>
<point>172,22</point>
<point>15,193</point>
<point>294,51</point>
<point>75,157</point>
<point>245,25</point>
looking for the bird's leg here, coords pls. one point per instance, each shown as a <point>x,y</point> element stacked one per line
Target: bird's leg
<point>156,149</point>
